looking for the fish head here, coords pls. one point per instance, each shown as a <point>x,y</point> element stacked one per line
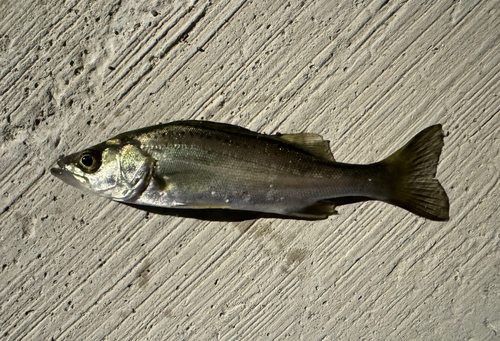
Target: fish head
<point>113,170</point>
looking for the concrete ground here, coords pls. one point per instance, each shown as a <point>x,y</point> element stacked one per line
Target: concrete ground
<point>367,75</point>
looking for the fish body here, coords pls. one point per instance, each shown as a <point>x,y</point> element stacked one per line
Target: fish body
<point>208,165</point>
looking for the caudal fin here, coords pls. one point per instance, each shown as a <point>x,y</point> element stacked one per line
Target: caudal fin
<point>412,170</point>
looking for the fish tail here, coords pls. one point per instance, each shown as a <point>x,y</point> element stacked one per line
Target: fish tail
<point>412,170</point>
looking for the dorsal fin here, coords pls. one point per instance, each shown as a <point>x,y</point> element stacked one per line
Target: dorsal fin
<point>230,128</point>
<point>311,143</point>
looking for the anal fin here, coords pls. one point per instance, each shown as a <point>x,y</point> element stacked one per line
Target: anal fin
<point>319,210</point>
<point>348,200</point>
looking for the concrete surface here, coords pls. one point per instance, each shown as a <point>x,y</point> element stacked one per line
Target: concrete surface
<point>367,75</point>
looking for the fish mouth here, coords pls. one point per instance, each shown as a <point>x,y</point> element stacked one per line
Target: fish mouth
<point>59,171</point>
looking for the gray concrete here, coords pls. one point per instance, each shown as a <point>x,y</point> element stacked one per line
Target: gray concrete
<point>367,75</point>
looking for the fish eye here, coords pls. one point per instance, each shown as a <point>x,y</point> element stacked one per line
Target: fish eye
<point>89,161</point>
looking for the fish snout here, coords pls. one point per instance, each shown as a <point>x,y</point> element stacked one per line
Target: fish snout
<point>56,171</point>
<point>58,167</point>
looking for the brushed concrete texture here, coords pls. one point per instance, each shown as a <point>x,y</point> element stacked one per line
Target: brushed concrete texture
<point>367,75</point>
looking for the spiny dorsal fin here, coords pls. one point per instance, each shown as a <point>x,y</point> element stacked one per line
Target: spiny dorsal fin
<point>312,143</point>
<point>230,128</point>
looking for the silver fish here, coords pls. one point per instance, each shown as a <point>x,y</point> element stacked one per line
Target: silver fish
<point>201,165</point>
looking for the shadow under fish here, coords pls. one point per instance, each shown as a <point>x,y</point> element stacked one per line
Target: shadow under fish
<point>221,214</point>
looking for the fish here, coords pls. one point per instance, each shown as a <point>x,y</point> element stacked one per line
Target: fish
<point>203,166</point>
